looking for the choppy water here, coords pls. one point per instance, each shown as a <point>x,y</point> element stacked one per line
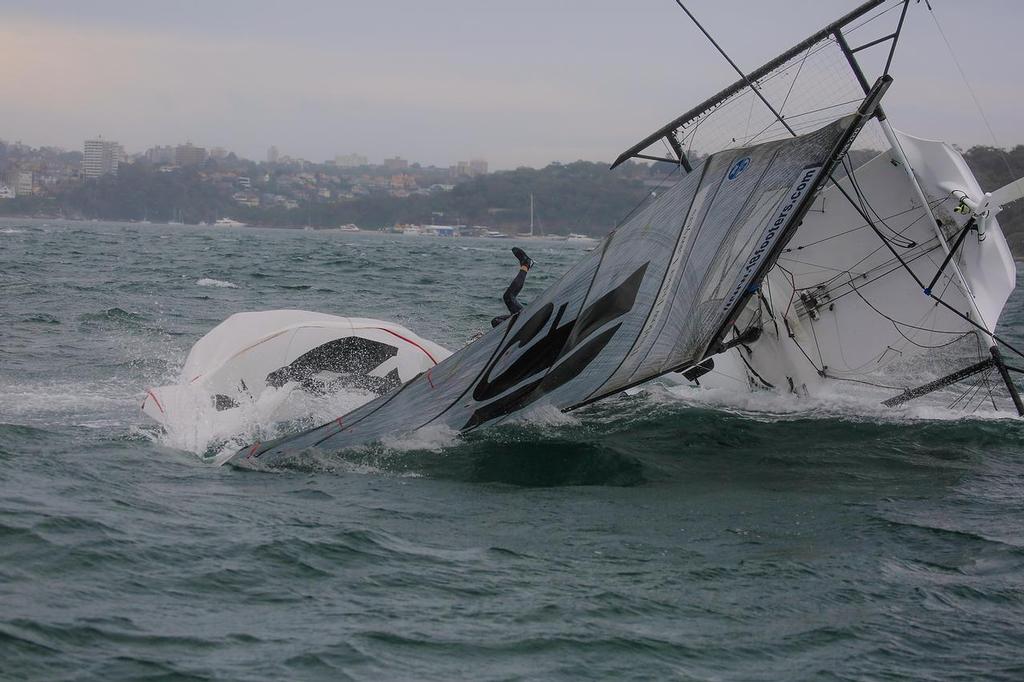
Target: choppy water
<point>661,536</point>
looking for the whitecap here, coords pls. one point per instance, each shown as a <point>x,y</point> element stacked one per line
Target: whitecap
<point>433,438</point>
<point>209,282</point>
<point>194,425</point>
<point>858,403</point>
<point>543,415</point>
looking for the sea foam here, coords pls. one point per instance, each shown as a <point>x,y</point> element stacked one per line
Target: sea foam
<point>209,282</point>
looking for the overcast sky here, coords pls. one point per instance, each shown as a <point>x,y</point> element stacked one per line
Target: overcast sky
<point>517,82</point>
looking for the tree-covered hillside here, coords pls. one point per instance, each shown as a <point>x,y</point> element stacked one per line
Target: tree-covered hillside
<point>580,197</point>
<point>995,168</point>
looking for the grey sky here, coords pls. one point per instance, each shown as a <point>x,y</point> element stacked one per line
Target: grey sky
<point>517,83</point>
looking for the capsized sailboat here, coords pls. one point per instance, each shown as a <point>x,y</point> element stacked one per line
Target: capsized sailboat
<point>713,270</point>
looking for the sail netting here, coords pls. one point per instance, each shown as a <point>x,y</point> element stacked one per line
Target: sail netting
<point>653,297</point>
<point>809,85</point>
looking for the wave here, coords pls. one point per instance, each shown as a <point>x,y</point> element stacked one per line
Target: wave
<point>847,402</point>
<point>41,318</point>
<point>118,317</point>
<point>662,434</point>
<point>68,402</point>
<point>195,426</point>
<point>210,282</point>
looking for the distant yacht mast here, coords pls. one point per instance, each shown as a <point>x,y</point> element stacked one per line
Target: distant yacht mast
<point>531,214</point>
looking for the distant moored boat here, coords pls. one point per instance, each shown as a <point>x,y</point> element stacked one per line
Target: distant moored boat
<point>228,222</point>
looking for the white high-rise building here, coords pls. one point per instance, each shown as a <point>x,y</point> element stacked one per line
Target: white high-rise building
<point>350,160</point>
<point>22,183</point>
<point>101,158</point>
<point>478,167</point>
<point>19,182</point>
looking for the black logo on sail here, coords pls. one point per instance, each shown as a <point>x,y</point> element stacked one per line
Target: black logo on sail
<point>560,351</point>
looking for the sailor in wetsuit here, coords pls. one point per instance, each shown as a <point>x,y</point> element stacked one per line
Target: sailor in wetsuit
<point>509,297</point>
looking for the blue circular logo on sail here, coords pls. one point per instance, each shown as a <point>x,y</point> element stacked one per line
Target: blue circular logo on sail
<point>738,168</point>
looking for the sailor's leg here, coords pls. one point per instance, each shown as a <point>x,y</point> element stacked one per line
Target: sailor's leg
<point>509,297</point>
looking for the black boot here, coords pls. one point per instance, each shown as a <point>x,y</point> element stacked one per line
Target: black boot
<point>522,257</point>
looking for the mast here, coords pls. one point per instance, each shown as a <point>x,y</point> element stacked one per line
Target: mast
<point>531,214</point>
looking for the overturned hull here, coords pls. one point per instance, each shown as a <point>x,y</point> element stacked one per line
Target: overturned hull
<point>840,306</point>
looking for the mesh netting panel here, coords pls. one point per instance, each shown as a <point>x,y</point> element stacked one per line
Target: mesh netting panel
<point>815,86</point>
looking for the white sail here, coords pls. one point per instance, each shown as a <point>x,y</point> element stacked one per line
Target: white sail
<point>234,364</point>
<point>839,306</point>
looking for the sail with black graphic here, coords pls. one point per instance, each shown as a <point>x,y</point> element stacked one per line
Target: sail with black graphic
<point>657,295</point>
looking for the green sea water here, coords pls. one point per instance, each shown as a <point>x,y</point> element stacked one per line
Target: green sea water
<point>664,535</point>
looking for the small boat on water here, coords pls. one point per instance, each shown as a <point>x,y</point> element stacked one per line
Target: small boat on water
<point>580,238</point>
<point>350,227</point>
<point>228,222</point>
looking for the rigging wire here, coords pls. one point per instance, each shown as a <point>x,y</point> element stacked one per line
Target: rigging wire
<point>926,246</point>
<point>925,253</point>
<point>647,195</point>
<point>933,204</point>
<point>921,284</point>
<point>795,79</point>
<point>970,89</point>
<point>855,289</point>
<point>867,21</point>
<point>823,370</point>
<point>900,240</point>
<point>974,390</point>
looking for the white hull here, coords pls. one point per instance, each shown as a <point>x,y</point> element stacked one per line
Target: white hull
<point>228,222</point>
<point>861,313</point>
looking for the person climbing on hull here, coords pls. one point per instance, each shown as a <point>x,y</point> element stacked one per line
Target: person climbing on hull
<point>510,297</point>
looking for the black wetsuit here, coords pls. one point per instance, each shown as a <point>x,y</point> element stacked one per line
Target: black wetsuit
<point>509,297</point>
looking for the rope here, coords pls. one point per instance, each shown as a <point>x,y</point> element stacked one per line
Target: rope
<point>859,227</point>
<point>867,21</point>
<point>647,195</point>
<point>902,241</point>
<point>974,96</point>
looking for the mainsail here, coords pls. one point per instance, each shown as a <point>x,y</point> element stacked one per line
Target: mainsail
<point>657,295</point>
